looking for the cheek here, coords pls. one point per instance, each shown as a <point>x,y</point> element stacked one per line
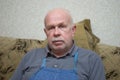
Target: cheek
<point>49,37</point>
<point>68,37</point>
<point>69,34</point>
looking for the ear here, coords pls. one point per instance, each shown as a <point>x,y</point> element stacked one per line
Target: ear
<point>45,31</point>
<point>73,29</point>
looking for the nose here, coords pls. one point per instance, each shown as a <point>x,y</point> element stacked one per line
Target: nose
<point>57,31</point>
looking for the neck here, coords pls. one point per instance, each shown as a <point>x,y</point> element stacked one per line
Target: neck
<point>62,52</point>
<point>59,53</point>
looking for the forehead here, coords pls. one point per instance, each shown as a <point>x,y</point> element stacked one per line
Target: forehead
<point>56,18</point>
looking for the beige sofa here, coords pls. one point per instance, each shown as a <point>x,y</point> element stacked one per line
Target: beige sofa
<point>13,49</point>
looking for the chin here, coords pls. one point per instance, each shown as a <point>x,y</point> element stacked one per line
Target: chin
<point>58,48</point>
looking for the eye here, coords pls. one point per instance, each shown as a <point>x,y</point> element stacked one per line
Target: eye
<point>62,26</point>
<point>50,28</point>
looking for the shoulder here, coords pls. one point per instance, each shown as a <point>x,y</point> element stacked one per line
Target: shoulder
<point>87,54</point>
<point>34,54</point>
<point>88,59</point>
<point>85,51</point>
<point>36,50</point>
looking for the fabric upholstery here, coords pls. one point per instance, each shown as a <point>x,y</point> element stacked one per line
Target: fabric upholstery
<point>84,37</point>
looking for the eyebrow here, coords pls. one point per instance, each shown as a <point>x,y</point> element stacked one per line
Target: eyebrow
<point>62,23</point>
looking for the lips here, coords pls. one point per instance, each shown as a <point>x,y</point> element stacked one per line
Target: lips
<point>58,42</point>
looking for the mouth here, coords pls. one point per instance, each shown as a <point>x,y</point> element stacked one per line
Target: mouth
<point>58,42</point>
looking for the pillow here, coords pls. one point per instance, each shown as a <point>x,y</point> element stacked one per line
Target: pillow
<point>84,37</point>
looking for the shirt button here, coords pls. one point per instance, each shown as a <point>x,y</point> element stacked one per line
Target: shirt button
<point>55,66</point>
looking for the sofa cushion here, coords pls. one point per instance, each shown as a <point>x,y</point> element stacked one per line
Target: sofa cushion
<point>12,51</point>
<point>111,59</point>
<point>84,36</point>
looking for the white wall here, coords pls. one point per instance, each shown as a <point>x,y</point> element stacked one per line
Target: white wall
<point>24,18</point>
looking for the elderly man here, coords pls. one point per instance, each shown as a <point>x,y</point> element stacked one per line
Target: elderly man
<point>60,59</point>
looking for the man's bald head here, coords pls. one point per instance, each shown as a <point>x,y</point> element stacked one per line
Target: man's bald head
<point>58,12</point>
